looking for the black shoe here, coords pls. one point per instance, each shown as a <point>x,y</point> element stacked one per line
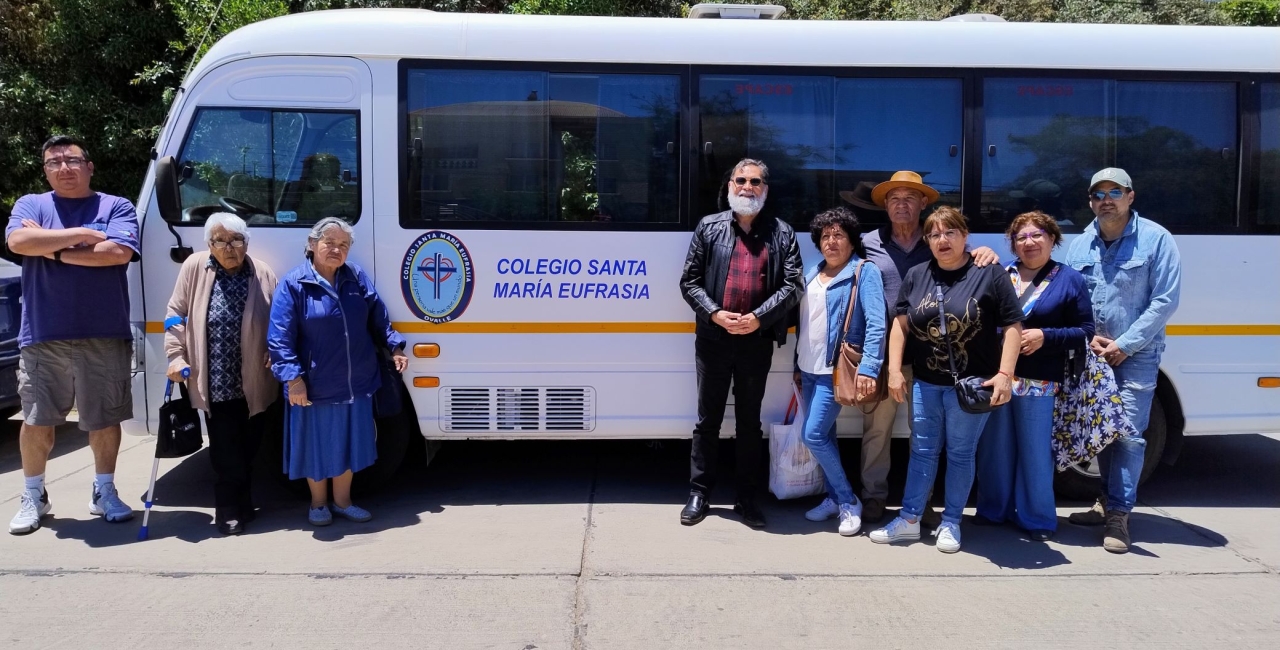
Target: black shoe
<point>750,513</point>
<point>1040,535</point>
<point>979,520</point>
<point>231,527</point>
<point>872,511</point>
<point>695,510</point>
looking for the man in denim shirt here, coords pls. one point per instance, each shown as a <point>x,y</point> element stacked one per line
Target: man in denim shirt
<point>1134,272</point>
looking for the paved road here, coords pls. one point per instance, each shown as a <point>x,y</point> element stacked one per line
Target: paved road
<point>576,545</point>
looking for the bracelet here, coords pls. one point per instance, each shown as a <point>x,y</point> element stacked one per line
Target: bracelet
<point>1001,372</point>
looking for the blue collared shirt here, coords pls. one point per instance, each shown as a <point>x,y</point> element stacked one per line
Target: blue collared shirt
<point>1134,283</point>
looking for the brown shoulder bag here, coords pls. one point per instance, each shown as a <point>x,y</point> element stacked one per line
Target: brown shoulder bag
<point>848,356</point>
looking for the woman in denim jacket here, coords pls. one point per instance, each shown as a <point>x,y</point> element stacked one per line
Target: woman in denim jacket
<point>819,334</point>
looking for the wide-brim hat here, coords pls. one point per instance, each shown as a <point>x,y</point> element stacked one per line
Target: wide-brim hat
<point>860,196</point>
<point>903,179</point>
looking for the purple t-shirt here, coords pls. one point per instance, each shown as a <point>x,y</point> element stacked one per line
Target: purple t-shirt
<point>63,301</point>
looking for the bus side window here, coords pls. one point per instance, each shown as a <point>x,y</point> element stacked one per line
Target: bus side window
<point>281,167</point>
<point>1269,172</point>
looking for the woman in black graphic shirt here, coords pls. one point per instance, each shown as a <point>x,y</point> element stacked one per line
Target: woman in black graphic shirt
<point>976,303</point>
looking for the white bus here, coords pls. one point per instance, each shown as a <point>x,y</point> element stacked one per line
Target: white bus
<point>523,188</point>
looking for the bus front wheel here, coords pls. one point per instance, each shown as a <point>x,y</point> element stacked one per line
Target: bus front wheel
<point>1080,482</point>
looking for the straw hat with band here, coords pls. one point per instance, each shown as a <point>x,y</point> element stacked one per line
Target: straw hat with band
<point>903,179</point>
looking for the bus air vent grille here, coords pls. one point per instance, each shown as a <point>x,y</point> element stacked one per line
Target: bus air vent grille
<point>517,409</point>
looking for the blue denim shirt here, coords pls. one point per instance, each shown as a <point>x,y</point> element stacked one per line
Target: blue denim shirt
<point>1134,284</point>
<point>868,320</point>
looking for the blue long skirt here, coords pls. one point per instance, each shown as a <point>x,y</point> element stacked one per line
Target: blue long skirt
<point>323,441</point>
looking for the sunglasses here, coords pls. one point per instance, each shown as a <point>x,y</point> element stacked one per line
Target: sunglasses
<point>743,180</point>
<point>1114,193</point>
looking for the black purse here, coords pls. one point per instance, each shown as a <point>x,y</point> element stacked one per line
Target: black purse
<point>972,395</point>
<point>179,433</point>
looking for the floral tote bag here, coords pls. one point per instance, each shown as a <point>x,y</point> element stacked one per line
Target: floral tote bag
<point>1088,414</point>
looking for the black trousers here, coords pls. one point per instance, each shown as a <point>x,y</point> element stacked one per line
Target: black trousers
<point>743,361</point>
<point>234,438</point>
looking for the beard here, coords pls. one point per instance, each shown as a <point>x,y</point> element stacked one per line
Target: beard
<point>746,204</point>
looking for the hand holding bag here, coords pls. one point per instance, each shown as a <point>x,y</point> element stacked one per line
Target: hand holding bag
<point>844,377</point>
<point>179,433</point>
<point>1087,413</point>
<point>970,392</point>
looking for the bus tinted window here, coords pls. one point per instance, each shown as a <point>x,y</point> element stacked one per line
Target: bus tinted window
<point>1044,138</point>
<point>828,140</point>
<point>289,167</point>
<point>1178,141</point>
<point>499,146</point>
<point>1269,171</point>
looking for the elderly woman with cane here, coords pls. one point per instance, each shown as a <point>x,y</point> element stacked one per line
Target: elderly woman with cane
<point>327,323</point>
<point>220,309</point>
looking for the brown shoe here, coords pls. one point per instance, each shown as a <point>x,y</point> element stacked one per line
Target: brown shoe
<point>1095,516</point>
<point>1116,538</point>
<point>931,518</point>
<point>872,511</point>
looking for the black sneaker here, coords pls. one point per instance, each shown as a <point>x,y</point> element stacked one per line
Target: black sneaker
<point>1116,537</point>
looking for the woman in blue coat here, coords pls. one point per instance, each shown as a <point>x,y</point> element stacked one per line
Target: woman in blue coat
<point>327,323</point>
<point>1015,461</point>
<point>820,332</point>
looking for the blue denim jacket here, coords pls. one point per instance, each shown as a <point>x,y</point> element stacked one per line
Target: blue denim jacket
<point>1134,284</point>
<point>869,320</point>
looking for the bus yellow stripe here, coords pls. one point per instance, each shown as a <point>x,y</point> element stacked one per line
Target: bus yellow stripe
<point>417,327</point>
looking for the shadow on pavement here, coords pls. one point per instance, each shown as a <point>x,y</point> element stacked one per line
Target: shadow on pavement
<point>67,439</point>
<point>1234,471</point>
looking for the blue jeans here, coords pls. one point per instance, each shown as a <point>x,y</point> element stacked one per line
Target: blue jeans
<point>1015,464</point>
<point>939,422</point>
<point>820,434</point>
<point>1121,461</point>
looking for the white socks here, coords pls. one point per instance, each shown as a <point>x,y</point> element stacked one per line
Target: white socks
<point>100,480</point>
<point>34,484</point>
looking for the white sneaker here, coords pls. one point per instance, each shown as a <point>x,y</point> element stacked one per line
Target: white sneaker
<point>948,537</point>
<point>898,530</point>
<point>30,510</point>
<point>823,511</point>
<point>107,504</point>
<point>850,518</point>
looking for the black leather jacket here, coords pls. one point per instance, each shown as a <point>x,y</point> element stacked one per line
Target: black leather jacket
<point>707,266</point>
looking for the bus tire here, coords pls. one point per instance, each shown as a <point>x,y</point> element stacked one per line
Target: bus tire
<point>1080,482</point>
<point>393,444</point>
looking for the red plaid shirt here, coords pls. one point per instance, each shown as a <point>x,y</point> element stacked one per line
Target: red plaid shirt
<point>744,286</point>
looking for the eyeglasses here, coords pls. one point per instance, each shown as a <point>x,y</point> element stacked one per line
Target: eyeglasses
<point>949,235</point>
<point>743,180</point>
<point>236,243</point>
<point>56,164</point>
<point>1114,193</point>
<point>1037,236</point>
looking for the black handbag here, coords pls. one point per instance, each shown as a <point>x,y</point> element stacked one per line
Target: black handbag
<point>972,395</point>
<point>386,400</point>
<point>179,433</point>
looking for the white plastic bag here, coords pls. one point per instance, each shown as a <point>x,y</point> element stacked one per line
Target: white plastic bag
<point>793,470</point>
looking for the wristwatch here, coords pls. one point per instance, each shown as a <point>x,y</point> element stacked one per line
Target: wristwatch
<point>57,256</point>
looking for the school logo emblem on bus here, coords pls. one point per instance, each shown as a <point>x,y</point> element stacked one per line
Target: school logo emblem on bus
<point>437,277</point>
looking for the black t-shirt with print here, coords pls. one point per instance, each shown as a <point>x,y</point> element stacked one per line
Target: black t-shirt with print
<point>977,301</point>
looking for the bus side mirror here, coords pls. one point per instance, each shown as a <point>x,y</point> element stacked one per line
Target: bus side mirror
<point>168,198</point>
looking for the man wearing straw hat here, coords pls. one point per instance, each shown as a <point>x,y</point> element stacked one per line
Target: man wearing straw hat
<point>894,248</point>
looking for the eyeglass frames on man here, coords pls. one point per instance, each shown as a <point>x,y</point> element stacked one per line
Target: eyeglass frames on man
<point>54,164</point>
<point>1115,193</point>
<point>743,180</point>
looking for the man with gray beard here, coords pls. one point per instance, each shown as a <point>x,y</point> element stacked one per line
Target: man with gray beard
<point>743,276</point>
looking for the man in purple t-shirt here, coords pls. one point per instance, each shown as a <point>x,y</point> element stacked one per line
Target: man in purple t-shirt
<point>75,341</point>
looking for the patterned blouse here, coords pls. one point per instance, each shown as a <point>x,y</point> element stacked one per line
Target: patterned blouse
<point>226,313</point>
<point>1022,386</point>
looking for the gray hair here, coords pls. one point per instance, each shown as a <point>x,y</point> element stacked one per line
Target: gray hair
<point>317,231</point>
<point>752,162</point>
<point>229,222</point>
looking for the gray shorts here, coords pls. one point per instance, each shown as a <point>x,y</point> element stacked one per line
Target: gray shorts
<point>91,374</point>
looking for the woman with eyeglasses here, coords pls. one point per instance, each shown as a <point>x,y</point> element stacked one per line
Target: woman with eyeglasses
<point>949,319</point>
<point>1015,463</point>
<point>222,305</point>
<point>327,324</point>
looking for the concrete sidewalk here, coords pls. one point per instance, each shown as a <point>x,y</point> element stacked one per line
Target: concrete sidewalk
<point>577,545</point>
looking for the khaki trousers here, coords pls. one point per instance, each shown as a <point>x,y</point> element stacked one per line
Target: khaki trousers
<point>877,432</point>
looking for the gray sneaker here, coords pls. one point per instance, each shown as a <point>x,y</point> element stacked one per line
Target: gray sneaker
<point>1116,537</point>
<point>30,510</point>
<point>107,504</point>
<point>1095,516</point>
